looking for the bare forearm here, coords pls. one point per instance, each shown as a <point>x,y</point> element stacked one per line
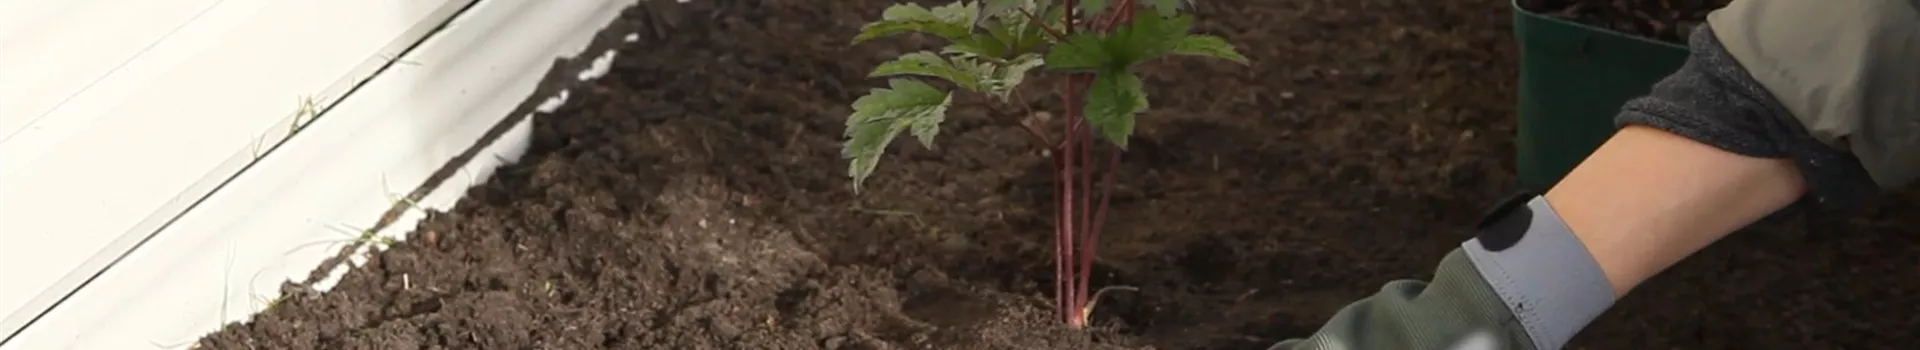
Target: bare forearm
<point>1648,198</point>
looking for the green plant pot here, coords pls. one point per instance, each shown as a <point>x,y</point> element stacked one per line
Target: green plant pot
<point>1573,80</point>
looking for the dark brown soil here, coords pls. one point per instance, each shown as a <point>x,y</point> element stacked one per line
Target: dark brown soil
<point>694,199</point>
<point>1664,20</point>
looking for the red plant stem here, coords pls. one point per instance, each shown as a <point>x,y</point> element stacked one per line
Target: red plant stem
<point>1123,14</point>
<point>1080,217</point>
<point>1086,214</point>
<point>1063,250</point>
<point>1092,236</point>
<point>1070,5</point>
<point>1064,236</point>
<point>1071,287</point>
<point>1086,206</point>
<point>1043,24</point>
<point>1079,167</point>
<point>1075,120</point>
<point>1106,190</point>
<point>1105,23</point>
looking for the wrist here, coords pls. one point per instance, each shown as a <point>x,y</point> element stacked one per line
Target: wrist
<point>1648,198</point>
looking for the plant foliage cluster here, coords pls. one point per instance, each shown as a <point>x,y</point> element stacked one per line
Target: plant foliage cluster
<point>993,46</point>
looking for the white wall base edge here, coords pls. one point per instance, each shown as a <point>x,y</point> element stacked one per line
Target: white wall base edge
<point>222,260</point>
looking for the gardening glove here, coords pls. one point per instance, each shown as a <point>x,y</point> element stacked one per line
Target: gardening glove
<point>1831,85</point>
<point>1524,282</point>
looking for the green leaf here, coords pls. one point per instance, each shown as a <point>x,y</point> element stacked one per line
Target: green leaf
<point>957,12</point>
<point>1112,100</point>
<point>998,41</point>
<point>1146,38</point>
<point>1010,75</point>
<point>1208,46</point>
<point>952,21</point>
<point>1081,51</point>
<point>1089,8</point>
<point>998,9</point>
<point>929,64</point>
<point>999,29</point>
<point>977,46</point>
<point>907,12</point>
<point>887,28</point>
<point>881,116</point>
<point>1032,34</point>
<point>980,45</point>
<point>1009,30</point>
<point>1038,5</point>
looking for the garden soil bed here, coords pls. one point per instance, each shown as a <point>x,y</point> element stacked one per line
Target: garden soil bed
<point>694,199</point>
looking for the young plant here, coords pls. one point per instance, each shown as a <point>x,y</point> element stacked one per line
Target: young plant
<point>1095,45</point>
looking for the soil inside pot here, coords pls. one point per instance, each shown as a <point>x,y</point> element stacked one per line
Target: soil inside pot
<point>694,198</point>
<point>1664,20</point>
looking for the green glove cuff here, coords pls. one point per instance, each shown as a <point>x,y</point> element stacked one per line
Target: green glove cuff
<point>1524,283</point>
<point>1457,311</point>
<point>1546,277</point>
